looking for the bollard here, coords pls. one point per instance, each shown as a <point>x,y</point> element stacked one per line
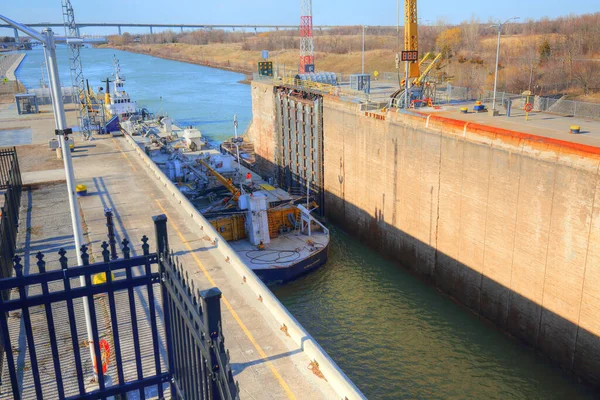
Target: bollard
<point>81,190</point>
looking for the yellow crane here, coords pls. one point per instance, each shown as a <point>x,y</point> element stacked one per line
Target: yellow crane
<point>416,76</point>
<point>411,35</point>
<point>226,182</point>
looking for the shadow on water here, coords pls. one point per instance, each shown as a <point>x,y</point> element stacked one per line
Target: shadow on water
<point>397,337</point>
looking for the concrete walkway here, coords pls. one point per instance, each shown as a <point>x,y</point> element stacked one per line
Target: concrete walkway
<point>538,123</point>
<point>9,64</point>
<point>265,362</point>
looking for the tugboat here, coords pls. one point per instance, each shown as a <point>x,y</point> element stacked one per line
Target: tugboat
<point>119,104</point>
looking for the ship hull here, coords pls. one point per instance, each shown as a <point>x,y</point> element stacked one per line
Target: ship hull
<point>281,275</point>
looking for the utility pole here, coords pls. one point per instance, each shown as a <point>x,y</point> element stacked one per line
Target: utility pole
<point>499,26</point>
<point>49,41</point>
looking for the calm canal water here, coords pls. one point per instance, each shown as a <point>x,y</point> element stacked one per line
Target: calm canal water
<point>394,336</point>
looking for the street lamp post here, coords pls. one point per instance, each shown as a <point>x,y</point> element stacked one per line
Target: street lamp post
<point>48,39</point>
<point>497,59</point>
<point>277,60</point>
<point>363,49</point>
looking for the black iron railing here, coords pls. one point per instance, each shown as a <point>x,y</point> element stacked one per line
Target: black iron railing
<point>152,333</point>
<point>10,188</point>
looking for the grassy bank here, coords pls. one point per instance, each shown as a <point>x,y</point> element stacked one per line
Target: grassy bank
<point>548,57</point>
<point>231,56</point>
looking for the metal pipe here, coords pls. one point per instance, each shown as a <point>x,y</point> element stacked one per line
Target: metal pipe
<point>406,97</point>
<point>61,125</point>
<point>237,150</point>
<point>47,38</point>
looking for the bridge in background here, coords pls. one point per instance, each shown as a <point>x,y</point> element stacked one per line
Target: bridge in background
<point>151,27</point>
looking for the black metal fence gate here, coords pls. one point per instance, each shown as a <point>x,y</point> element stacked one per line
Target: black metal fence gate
<point>152,332</point>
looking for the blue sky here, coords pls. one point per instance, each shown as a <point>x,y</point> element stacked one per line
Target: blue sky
<point>325,12</point>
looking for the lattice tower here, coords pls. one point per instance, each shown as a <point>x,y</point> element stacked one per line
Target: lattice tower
<point>77,79</point>
<point>307,44</point>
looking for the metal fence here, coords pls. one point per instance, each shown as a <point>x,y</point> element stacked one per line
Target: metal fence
<point>552,104</point>
<point>12,186</point>
<point>444,94</point>
<point>44,95</point>
<point>194,364</point>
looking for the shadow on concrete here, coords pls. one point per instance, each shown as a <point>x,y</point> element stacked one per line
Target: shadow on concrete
<point>573,348</point>
<point>52,239</point>
<point>237,368</point>
<point>120,234</point>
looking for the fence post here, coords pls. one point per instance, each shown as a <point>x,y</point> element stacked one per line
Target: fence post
<point>111,233</point>
<point>162,247</point>
<point>160,230</point>
<point>211,307</point>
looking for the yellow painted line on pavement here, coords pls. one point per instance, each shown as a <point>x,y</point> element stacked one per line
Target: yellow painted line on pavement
<point>124,155</point>
<point>249,335</point>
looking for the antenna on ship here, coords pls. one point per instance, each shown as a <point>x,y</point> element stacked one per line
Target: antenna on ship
<point>237,150</point>
<point>43,80</point>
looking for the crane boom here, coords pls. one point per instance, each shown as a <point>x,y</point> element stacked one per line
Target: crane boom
<point>226,182</point>
<point>411,34</point>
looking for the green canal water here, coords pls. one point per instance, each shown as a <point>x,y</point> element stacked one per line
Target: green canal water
<point>394,336</point>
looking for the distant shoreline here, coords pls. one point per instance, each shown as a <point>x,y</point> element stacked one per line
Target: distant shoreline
<point>147,50</point>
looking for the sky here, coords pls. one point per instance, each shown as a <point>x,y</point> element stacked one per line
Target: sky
<point>287,12</point>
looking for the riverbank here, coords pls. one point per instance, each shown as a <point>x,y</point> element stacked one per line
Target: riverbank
<point>232,57</point>
<point>185,53</point>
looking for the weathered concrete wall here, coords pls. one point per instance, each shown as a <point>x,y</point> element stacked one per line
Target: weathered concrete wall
<point>263,127</point>
<point>507,223</point>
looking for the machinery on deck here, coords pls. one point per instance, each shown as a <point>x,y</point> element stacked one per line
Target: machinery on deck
<point>224,181</point>
<point>421,90</point>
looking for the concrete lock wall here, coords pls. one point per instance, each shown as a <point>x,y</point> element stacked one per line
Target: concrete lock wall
<point>506,223</point>
<point>263,127</point>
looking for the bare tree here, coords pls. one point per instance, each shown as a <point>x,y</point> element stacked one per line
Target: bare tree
<point>586,74</point>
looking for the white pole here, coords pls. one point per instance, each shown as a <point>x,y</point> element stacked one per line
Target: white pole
<point>496,73</point>
<point>497,60</point>
<point>61,125</point>
<point>237,150</point>
<point>363,49</point>
<point>406,97</point>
